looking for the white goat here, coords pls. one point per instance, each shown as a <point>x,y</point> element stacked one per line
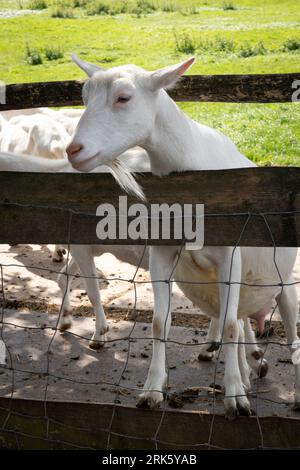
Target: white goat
<point>35,134</point>
<point>67,117</point>
<point>128,106</point>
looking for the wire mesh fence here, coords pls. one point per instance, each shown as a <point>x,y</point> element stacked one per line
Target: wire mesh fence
<point>128,345</point>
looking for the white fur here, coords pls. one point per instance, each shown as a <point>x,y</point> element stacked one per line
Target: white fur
<point>42,132</point>
<point>13,138</point>
<point>47,137</point>
<point>67,117</point>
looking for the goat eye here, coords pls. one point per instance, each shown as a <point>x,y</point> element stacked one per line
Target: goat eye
<point>123,99</point>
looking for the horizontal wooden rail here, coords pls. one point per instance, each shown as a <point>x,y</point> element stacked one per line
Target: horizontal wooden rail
<point>57,208</point>
<point>267,88</point>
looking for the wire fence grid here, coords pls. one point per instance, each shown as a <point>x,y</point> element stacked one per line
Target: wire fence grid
<point>117,384</point>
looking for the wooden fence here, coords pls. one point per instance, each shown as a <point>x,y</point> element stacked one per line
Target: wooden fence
<point>268,88</point>
<point>37,207</point>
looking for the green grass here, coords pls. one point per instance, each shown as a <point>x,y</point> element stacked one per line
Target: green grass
<point>229,6</point>
<point>185,43</point>
<point>33,56</point>
<point>62,12</point>
<point>291,45</point>
<point>53,53</point>
<point>255,37</point>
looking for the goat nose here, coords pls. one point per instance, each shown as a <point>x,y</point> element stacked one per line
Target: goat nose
<point>73,150</point>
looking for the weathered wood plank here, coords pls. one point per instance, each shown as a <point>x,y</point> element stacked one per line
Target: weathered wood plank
<point>35,95</point>
<point>75,424</point>
<point>37,207</point>
<point>267,88</point>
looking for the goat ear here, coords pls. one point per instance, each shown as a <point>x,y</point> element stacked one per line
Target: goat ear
<point>87,67</point>
<point>166,77</point>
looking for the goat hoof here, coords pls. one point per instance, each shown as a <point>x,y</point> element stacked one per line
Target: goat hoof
<point>65,327</point>
<point>147,403</point>
<point>214,346</point>
<point>143,403</point>
<point>205,356</point>
<point>296,406</point>
<point>58,255</point>
<point>257,354</point>
<point>99,338</point>
<point>57,260</point>
<point>243,410</point>
<point>150,400</point>
<point>206,353</point>
<point>263,369</point>
<point>96,345</point>
<point>231,413</point>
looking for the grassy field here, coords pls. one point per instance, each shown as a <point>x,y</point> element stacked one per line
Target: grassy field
<point>243,36</point>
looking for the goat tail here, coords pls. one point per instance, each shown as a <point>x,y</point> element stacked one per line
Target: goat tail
<point>13,162</point>
<point>125,178</point>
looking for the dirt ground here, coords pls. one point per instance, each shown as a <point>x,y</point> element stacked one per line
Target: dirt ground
<point>117,373</point>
